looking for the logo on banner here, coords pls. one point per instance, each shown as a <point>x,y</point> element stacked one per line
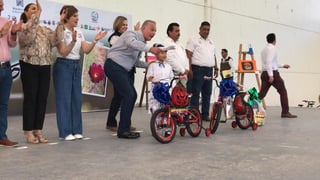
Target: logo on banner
<point>15,70</point>
<point>20,3</point>
<point>94,16</point>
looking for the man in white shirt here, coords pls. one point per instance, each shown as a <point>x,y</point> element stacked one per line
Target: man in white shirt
<point>271,77</point>
<point>176,57</point>
<point>201,54</point>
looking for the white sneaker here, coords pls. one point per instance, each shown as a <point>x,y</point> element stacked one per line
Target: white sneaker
<point>70,137</point>
<point>78,136</point>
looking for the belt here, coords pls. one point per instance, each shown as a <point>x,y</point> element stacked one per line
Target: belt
<point>273,71</point>
<point>201,67</point>
<point>5,64</point>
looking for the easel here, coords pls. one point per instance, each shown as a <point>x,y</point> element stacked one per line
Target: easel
<point>145,88</point>
<point>247,66</point>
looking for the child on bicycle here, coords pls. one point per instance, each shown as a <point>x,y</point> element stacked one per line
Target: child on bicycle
<point>159,73</point>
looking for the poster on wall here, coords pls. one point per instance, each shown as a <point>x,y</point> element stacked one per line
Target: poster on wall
<point>91,21</point>
<point>93,78</point>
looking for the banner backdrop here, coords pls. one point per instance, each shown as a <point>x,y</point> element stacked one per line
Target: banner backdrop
<point>91,21</point>
<point>93,78</point>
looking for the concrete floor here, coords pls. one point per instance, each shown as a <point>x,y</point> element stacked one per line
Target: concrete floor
<point>281,149</point>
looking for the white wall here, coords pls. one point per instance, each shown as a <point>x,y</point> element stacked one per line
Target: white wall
<point>296,24</point>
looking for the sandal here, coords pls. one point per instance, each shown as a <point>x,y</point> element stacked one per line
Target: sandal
<point>39,135</point>
<point>30,137</point>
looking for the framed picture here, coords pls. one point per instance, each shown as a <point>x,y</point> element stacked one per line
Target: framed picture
<point>247,66</point>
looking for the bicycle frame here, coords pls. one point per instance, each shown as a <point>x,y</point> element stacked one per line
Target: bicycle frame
<point>219,107</point>
<point>164,121</point>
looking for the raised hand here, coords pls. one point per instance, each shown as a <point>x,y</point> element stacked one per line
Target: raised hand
<point>100,35</point>
<point>5,29</point>
<point>39,9</point>
<point>136,27</point>
<point>16,27</point>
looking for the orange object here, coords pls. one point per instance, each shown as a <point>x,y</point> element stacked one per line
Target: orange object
<point>247,66</point>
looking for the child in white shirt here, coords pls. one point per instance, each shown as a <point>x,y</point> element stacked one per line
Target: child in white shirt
<point>158,72</point>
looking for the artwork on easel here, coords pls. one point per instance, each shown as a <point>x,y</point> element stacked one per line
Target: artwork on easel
<point>247,66</point>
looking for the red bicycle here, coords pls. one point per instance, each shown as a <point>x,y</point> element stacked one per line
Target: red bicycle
<point>244,116</point>
<point>177,113</point>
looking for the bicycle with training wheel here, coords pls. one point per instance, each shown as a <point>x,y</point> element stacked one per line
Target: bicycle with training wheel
<point>241,110</point>
<point>165,121</point>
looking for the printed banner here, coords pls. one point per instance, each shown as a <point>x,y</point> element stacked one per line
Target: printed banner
<point>93,78</point>
<point>91,21</point>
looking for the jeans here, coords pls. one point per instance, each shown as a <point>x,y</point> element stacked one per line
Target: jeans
<point>115,104</point>
<point>5,88</point>
<point>67,86</point>
<point>123,84</point>
<point>199,85</point>
<point>35,82</point>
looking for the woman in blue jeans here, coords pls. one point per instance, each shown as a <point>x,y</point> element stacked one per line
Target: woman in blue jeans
<point>67,75</point>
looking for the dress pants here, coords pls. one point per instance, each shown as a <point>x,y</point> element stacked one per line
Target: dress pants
<point>115,104</point>
<point>278,83</point>
<point>199,85</point>
<point>124,85</point>
<point>35,83</point>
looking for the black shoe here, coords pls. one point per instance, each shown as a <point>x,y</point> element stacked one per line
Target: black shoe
<point>288,115</point>
<point>129,135</point>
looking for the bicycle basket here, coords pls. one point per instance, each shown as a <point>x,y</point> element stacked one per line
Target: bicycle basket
<point>179,96</point>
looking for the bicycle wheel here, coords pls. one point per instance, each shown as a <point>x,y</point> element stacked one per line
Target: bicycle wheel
<point>193,122</point>
<point>163,127</point>
<point>215,117</point>
<point>245,121</point>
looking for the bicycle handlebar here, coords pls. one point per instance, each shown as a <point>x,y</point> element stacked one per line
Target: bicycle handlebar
<point>212,79</point>
<point>177,77</point>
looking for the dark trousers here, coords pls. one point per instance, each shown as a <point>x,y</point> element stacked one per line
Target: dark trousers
<point>124,86</point>
<point>115,104</point>
<point>199,85</point>
<point>35,83</point>
<point>278,83</point>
